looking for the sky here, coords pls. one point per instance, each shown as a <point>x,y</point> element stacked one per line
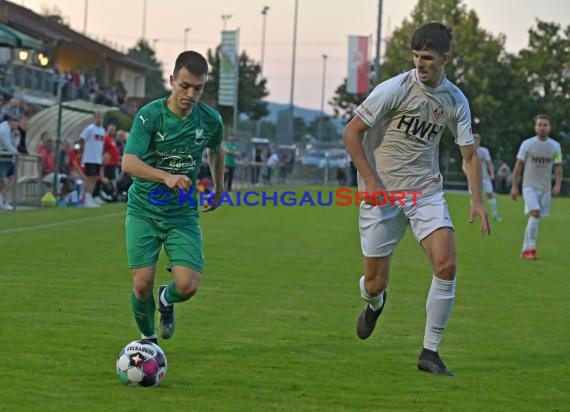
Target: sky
<point>323,27</point>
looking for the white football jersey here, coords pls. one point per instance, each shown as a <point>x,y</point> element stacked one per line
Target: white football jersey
<point>407,119</point>
<point>94,138</point>
<point>484,157</point>
<point>539,156</point>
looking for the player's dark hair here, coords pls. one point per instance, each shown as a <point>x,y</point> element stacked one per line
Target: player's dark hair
<point>192,61</point>
<point>432,36</point>
<point>539,116</point>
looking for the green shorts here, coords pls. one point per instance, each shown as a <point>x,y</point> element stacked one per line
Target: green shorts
<point>182,242</point>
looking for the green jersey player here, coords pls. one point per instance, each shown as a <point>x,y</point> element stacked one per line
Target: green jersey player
<point>162,155</point>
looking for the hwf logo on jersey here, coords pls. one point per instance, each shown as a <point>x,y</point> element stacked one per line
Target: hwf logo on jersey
<point>418,130</point>
<point>541,161</point>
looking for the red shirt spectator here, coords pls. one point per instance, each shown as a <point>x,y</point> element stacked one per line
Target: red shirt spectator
<point>74,162</point>
<point>48,158</point>
<point>111,151</point>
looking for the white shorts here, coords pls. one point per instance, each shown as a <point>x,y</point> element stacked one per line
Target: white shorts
<point>535,199</point>
<point>486,186</point>
<point>382,227</point>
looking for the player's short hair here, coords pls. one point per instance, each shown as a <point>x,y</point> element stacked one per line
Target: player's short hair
<point>432,36</point>
<point>192,61</point>
<point>540,116</point>
<point>477,136</point>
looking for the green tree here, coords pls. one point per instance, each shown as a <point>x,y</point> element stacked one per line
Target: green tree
<point>154,82</point>
<point>344,103</point>
<point>329,132</point>
<point>251,88</point>
<point>543,70</point>
<point>54,14</point>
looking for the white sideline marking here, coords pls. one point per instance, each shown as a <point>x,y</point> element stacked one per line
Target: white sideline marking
<point>57,224</point>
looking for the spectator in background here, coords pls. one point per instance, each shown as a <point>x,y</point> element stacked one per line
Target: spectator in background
<point>92,139</point>
<point>94,90</point>
<point>504,175</point>
<point>121,141</point>
<point>23,128</point>
<point>48,158</point>
<point>49,166</point>
<point>256,166</point>
<point>231,154</point>
<point>9,140</point>
<point>111,162</point>
<point>15,108</point>
<point>71,166</point>
<point>42,145</point>
<point>272,163</point>
<point>284,164</point>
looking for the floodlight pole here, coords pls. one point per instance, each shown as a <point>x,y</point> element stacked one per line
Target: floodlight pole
<point>57,145</point>
<point>264,14</point>
<point>85,17</point>
<point>323,98</point>
<point>378,40</point>
<point>186,30</point>
<point>291,98</point>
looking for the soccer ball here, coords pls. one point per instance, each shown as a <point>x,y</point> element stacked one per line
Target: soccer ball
<point>141,363</point>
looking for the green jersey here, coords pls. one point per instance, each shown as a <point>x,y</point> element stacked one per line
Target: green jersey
<point>230,159</point>
<point>165,141</point>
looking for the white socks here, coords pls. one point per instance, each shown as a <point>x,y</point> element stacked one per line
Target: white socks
<point>438,307</point>
<point>531,233</point>
<point>375,302</point>
<point>493,205</point>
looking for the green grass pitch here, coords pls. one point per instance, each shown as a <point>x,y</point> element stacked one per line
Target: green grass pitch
<point>272,326</point>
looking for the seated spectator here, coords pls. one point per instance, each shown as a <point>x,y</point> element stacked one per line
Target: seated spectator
<point>71,166</point>
<point>48,157</point>
<point>48,167</point>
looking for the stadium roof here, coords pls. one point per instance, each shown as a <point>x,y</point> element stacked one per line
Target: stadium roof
<point>75,116</point>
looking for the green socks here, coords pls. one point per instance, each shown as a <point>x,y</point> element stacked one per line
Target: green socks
<point>144,313</point>
<point>172,295</point>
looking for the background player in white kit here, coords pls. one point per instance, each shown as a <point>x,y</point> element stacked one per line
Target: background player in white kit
<point>487,176</point>
<point>93,137</point>
<point>537,155</point>
<point>394,141</point>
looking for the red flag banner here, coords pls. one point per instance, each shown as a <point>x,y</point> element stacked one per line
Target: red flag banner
<point>357,79</point>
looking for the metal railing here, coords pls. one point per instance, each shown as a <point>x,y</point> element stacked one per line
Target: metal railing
<point>27,188</point>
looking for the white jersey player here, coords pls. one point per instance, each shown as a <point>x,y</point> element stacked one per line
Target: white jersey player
<point>537,155</point>
<point>487,176</point>
<point>393,141</point>
<point>93,137</point>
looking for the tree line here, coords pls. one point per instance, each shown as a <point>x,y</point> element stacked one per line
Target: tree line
<point>505,90</point>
